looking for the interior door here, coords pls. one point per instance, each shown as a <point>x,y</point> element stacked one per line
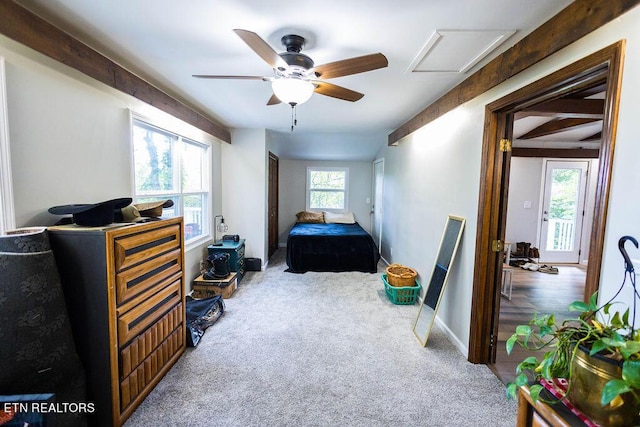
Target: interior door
<point>273,204</point>
<point>376,205</point>
<point>562,215</point>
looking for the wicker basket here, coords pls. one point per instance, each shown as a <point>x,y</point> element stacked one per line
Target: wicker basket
<point>401,276</point>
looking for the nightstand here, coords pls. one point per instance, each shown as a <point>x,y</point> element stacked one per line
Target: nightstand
<point>236,254</point>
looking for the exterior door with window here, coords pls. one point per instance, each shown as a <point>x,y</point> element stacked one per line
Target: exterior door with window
<point>562,211</point>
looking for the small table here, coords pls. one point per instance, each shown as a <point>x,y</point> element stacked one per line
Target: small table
<point>540,414</point>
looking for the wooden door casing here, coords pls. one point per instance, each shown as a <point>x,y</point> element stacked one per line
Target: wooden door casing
<point>273,203</point>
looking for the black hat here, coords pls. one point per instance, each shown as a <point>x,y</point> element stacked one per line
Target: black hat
<point>92,215</point>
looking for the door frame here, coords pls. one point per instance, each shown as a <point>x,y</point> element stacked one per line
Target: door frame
<point>378,238</point>
<point>273,203</point>
<point>605,64</point>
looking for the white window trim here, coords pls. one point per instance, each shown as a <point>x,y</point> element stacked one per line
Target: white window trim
<point>328,168</point>
<point>7,208</point>
<point>197,242</point>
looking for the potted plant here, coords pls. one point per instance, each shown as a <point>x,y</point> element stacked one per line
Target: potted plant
<point>597,352</point>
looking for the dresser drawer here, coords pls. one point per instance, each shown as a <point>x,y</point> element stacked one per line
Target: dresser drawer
<point>136,248</point>
<point>150,370</point>
<point>145,344</point>
<point>138,279</point>
<point>140,314</point>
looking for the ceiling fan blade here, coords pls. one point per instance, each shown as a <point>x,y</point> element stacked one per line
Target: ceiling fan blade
<point>273,100</point>
<point>210,76</point>
<point>350,66</point>
<point>261,47</point>
<point>335,91</point>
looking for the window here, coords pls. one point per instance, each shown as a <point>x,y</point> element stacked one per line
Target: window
<point>327,189</point>
<point>169,166</point>
<point>7,215</point>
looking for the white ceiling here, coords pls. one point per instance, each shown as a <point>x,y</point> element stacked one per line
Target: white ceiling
<point>166,41</point>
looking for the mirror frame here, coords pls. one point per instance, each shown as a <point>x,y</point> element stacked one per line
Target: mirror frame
<point>453,248</point>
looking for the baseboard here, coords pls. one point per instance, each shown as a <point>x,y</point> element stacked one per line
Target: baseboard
<point>384,260</point>
<point>449,333</point>
<point>453,338</point>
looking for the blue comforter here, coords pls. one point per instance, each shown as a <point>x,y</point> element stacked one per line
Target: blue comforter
<point>331,247</point>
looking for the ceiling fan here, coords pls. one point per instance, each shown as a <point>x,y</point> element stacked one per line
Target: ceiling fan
<point>296,77</point>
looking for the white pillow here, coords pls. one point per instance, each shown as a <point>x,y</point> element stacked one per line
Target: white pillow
<point>339,218</point>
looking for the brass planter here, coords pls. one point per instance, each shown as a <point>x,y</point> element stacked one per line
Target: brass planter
<point>589,376</point>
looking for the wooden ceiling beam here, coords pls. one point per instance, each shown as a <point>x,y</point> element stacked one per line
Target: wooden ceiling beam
<point>566,108</point>
<point>556,126</point>
<point>34,32</point>
<point>559,153</point>
<point>590,91</point>
<point>594,137</point>
<point>572,23</point>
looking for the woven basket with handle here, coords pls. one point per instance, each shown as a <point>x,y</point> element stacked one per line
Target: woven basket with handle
<point>401,276</point>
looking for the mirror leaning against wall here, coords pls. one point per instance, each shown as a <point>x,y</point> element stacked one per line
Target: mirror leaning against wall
<point>446,254</point>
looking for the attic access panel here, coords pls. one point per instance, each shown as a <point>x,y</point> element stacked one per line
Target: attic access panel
<point>457,51</point>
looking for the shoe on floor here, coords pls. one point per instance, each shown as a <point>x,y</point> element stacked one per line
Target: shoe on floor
<point>526,265</point>
<point>548,269</point>
<point>534,267</point>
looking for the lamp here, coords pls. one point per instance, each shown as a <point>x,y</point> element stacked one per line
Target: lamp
<point>221,226</point>
<point>292,90</point>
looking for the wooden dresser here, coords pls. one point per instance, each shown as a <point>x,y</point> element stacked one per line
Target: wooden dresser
<point>124,287</point>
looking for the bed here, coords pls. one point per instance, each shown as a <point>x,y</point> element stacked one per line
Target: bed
<point>331,247</point>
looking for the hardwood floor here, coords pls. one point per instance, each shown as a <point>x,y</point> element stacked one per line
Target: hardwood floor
<point>534,292</point>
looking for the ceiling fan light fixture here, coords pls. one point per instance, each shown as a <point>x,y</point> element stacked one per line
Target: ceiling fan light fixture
<point>292,90</point>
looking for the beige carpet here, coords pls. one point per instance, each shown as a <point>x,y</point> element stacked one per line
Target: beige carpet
<point>322,349</point>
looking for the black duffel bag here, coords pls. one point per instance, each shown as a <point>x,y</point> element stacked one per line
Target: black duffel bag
<point>202,313</point>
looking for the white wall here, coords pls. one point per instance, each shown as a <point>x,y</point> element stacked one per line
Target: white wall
<point>431,174</point>
<point>436,171</point>
<point>70,140</point>
<point>244,189</point>
<point>524,185</point>
<point>293,185</point>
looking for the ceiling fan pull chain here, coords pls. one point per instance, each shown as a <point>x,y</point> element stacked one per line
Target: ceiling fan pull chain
<point>294,116</point>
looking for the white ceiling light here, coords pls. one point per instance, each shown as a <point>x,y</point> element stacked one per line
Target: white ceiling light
<point>292,90</point>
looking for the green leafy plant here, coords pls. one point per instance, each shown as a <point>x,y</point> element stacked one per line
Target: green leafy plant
<point>599,330</point>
